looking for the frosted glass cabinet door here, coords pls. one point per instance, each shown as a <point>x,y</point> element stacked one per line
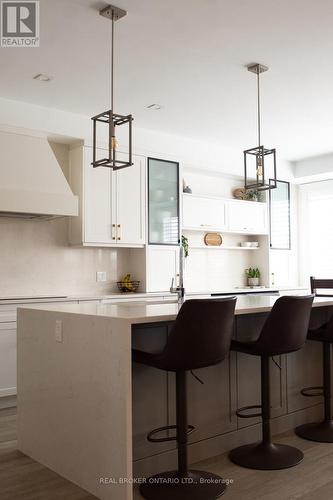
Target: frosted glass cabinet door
<point>163,202</point>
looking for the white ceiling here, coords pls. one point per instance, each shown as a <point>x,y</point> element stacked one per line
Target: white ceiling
<point>189,56</point>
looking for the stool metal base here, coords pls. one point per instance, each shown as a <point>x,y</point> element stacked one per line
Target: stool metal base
<point>194,485</point>
<point>317,431</point>
<point>266,456</point>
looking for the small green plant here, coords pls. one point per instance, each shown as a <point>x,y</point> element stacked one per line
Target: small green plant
<point>252,272</point>
<point>253,195</point>
<point>185,245</point>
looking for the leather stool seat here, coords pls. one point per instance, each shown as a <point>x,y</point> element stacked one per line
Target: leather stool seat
<point>321,431</point>
<point>284,331</point>
<point>200,337</point>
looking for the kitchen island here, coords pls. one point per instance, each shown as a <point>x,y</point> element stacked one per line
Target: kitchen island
<point>84,410</point>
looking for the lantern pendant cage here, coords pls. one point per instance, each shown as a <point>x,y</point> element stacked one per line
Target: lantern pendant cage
<point>109,118</point>
<point>259,161</point>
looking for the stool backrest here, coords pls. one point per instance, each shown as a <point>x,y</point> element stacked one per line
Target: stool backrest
<point>201,335</point>
<point>286,327</point>
<point>324,284</point>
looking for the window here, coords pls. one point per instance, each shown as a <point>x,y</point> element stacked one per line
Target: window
<point>316,230</point>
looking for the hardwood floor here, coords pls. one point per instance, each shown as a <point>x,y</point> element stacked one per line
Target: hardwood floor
<point>24,479</point>
<point>21,478</point>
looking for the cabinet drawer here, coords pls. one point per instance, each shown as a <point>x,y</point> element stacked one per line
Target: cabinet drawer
<point>7,359</point>
<point>8,316</point>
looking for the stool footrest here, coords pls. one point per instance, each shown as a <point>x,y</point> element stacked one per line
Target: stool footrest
<point>152,439</point>
<point>240,414</point>
<point>311,392</point>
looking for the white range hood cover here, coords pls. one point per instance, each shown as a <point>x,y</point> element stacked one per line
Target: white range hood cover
<point>31,179</point>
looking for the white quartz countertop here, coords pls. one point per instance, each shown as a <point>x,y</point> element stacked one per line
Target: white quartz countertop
<point>145,312</point>
<point>134,296</point>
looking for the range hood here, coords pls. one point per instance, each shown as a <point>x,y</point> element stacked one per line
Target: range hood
<point>32,183</point>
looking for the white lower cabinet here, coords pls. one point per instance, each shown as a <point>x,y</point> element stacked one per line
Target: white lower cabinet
<point>162,265</point>
<point>111,203</point>
<point>7,359</point>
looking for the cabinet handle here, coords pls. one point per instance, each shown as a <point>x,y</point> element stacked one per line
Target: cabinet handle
<point>119,234</point>
<point>113,232</point>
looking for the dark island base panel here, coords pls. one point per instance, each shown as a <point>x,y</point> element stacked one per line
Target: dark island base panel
<point>227,386</point>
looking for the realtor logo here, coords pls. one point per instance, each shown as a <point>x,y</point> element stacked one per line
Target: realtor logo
<point>20,23</point>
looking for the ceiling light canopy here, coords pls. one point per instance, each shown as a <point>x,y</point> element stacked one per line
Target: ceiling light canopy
<point>41,77</point>
<point>259,162</point>
<point>155,107</point>
<point>111,119</point>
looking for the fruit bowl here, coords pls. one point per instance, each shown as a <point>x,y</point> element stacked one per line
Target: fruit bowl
<point>128,286</point>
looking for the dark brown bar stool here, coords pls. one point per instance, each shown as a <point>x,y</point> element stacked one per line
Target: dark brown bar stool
<point>284,331</point>
<point>321,431</point>
<point>200,337</point>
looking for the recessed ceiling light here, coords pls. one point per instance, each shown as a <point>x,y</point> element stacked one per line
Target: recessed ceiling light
<point>43,78</point>
<point>155,107</point>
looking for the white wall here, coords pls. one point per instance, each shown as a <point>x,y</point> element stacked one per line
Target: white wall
<point>54,267</point>
<point>316,231</point>
<point>69,126</point>
<point>310,169</point>
<point>35,257</point>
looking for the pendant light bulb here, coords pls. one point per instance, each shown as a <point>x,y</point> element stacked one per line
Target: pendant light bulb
<point>259,166</point>
<point>114,143</point>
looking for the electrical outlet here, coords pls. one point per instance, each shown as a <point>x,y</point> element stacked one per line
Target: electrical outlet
<point>58,331</point>
<point>100,276</point>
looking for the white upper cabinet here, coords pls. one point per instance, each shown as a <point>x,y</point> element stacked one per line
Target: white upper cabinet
<point>247,217</point>
<point>112,203</point>
<point>130,203</point>
<point>204,213</point>
<point>97,202</point>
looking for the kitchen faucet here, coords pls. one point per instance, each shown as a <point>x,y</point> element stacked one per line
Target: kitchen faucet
<point>179,290</point>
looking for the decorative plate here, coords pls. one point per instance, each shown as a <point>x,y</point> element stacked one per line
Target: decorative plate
<point>213,239</point>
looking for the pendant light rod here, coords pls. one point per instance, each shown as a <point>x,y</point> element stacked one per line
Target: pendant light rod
<point>112,60</point>
<point>258,69</point>
<point>259,118</point>
<point>114,14</point>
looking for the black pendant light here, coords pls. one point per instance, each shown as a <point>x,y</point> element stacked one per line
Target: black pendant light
<point>110,118</point>
<point>259,162</point>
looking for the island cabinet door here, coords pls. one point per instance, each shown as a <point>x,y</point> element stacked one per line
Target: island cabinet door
<point>150,393</point>
<point>304,367</point>
<point>249,374</point>
<point>211,405</point>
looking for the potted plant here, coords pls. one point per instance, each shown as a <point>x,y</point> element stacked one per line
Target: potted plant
<point>253,276</point>
<point>185,245</point>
